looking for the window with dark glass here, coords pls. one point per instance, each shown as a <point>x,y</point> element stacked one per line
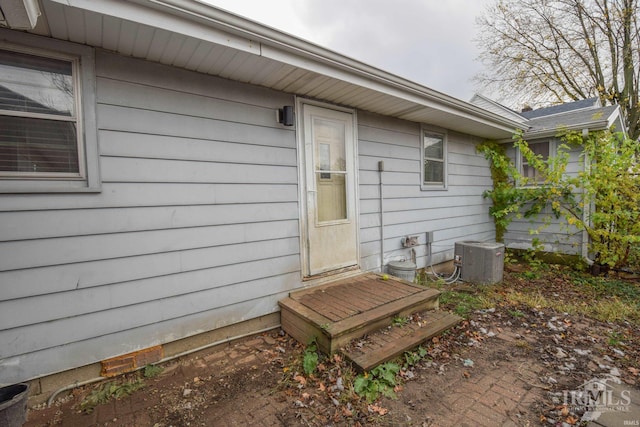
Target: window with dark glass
<point>434,159</point>
<point>540,149</point>
<point>38,116</point>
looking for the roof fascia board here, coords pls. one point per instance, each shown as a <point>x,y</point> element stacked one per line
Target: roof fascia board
<point>590,126</point>
<point>389,88</point>
<point>616,119</point>
<point>195,19</point>
<point>275,43</point>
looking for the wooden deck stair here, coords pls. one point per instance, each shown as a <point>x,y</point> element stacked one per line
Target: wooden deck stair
<point>337,313</point>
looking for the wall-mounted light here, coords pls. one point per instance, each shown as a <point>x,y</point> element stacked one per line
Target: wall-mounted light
<point>286,115</point>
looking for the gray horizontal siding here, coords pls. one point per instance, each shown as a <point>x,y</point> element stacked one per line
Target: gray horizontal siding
<point>79,222</point>
<point>554,234</point>
<point>126,341</point>
<point>155,194</point>
<point>47,252</point>
<point>105,272</point>
<point>196,226</point>
<point>173,297</point>
<point>457,213</point>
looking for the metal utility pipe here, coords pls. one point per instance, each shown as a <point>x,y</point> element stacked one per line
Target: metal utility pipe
<point>381,170</point>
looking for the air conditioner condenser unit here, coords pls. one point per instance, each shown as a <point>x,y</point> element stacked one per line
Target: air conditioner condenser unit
<point>480,262</point>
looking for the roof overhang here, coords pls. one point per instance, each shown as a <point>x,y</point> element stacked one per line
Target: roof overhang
<point>613,121</point>
<point>202,38</point>
<point>19,14</point>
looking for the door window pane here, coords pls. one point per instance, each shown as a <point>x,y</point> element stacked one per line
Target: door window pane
<point>332,197</point>
<point>330,149</point>
<point>330,173</point>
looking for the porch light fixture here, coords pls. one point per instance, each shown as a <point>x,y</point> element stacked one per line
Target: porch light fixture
<point>286,115</point>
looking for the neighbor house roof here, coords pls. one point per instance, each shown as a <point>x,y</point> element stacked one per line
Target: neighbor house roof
<point>596,118</point>
<point>199,37</point>
<point>565,107</point>
<point>544,122</point>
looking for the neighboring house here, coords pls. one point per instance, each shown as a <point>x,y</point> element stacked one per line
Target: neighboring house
<point>218,164</point>
<point>541,128</point>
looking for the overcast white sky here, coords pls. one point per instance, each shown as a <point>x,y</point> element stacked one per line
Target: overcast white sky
<point>427,41</point>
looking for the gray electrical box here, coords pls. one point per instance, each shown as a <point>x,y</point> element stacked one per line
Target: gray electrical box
<point>480,262</point>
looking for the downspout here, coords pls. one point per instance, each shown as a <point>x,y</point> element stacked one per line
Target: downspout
<point>381,170</point>
<point>587,208</point>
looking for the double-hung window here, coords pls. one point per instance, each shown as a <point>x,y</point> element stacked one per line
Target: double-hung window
<point>434,160</point>
<point>540,149</point>
<point>47,127</point>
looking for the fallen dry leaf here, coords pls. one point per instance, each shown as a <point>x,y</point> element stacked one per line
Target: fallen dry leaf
<point>377,409</point>
<point>302,380</point>
<point>571,420</point>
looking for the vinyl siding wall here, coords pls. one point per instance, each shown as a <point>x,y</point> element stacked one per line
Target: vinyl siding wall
<point>196,226</point>
<point>197,223</point>
<point>457,213</point>
<point>553,233</point>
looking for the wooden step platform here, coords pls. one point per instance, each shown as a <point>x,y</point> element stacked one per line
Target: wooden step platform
<point>392,341</point>
<point>338,312</point>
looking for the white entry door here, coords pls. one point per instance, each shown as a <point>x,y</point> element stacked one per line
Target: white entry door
<point>330,187</point>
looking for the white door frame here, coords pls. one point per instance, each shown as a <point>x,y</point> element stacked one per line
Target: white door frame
<point>304,185</point>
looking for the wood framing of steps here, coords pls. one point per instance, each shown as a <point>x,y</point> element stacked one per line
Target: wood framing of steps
<point>393,341</point>
<point>338,312</point>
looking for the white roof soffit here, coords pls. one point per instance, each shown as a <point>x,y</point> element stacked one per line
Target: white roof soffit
<point>19,14</point>
<point>326,75</point>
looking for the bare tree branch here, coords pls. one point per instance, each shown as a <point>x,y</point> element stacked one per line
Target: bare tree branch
<point>550,51</point>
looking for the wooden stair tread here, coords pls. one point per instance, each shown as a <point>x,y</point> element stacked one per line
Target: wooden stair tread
<point>336,313</point>
<point>391,342</point>
<point>332,335</point>
<point>356,321</point>
<point>383,311</point>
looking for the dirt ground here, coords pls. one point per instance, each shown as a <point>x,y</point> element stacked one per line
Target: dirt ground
<point>503,366</point>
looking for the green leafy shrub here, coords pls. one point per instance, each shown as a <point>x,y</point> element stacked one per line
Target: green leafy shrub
<point>107,391</point>
<point>310,358</point>
<point>603,199</point>
<point>152,371</point>
<point>380,381</point>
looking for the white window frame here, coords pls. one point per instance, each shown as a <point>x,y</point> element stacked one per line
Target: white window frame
<point>520,160</point>
<point>83,63</point>
<point>442,134</point>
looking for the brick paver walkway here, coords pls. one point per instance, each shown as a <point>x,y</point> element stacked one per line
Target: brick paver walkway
<point>496,391</point>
